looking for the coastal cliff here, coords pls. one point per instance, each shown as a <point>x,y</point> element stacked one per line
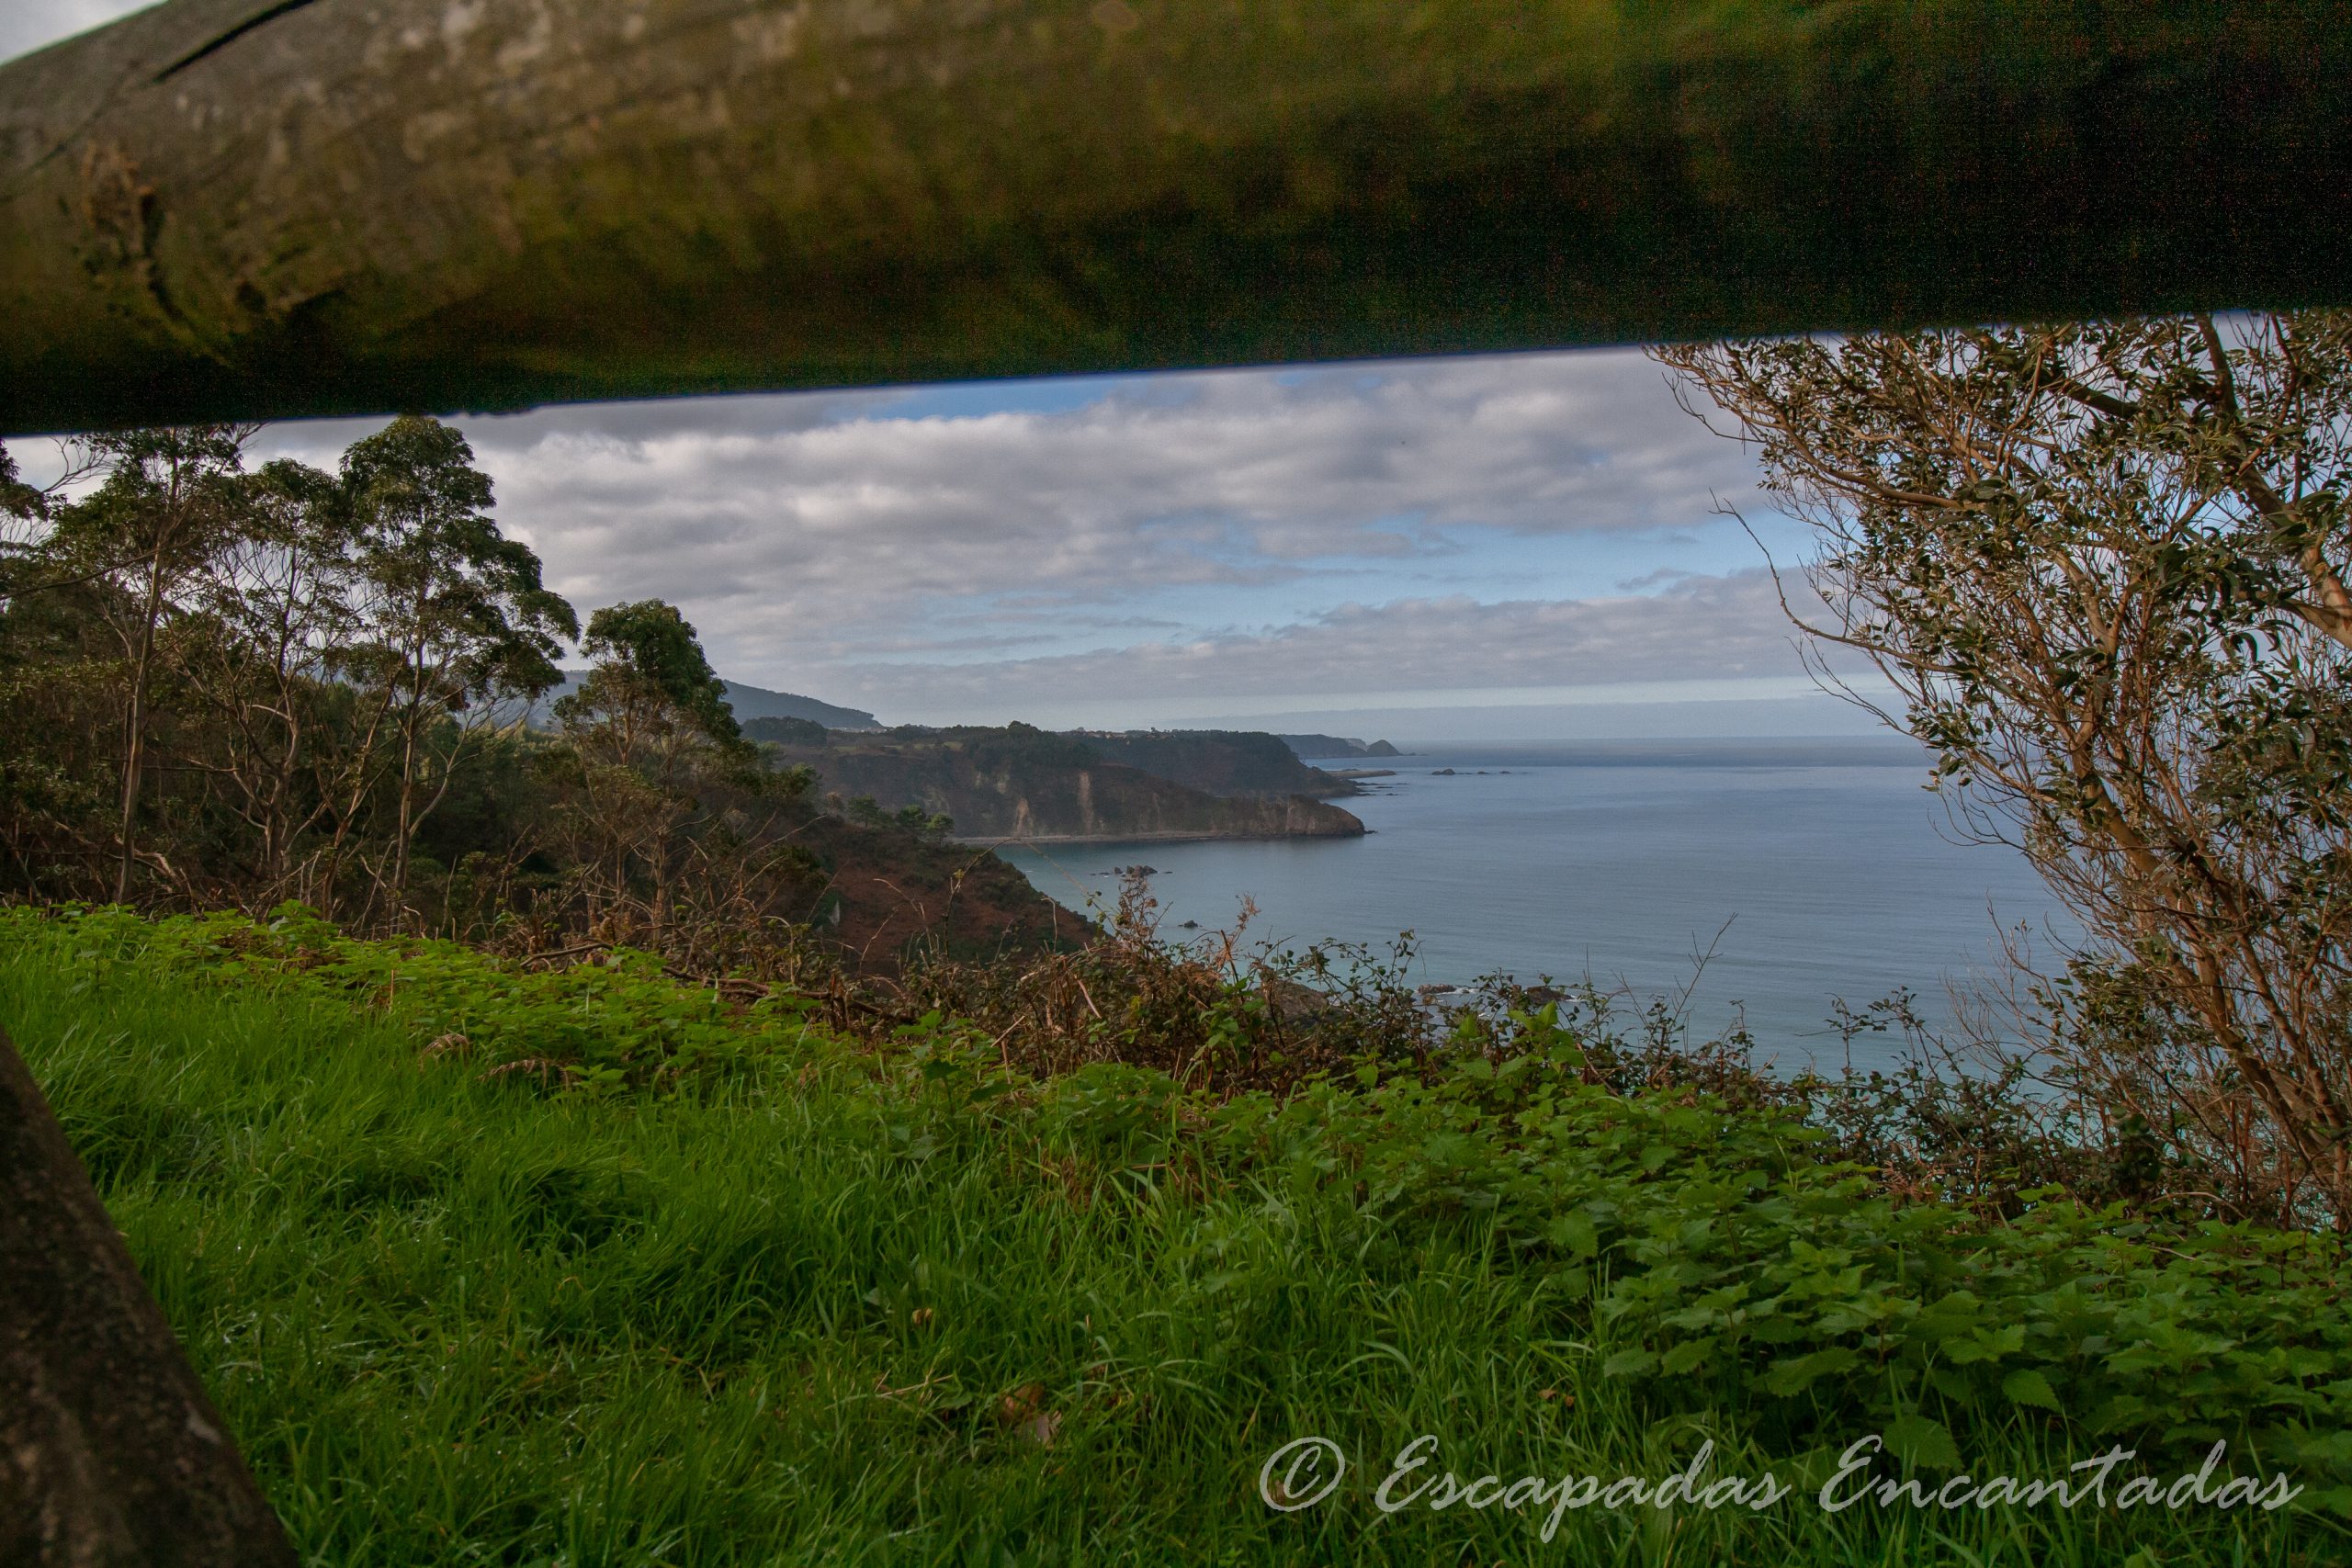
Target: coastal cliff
<point>1218,762</point>
<point>1021,782</point>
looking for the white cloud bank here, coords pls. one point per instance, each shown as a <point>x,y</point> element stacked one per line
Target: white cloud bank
<point>1217,478</point>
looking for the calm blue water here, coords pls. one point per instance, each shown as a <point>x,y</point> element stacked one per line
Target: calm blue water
<point>1837,873</point>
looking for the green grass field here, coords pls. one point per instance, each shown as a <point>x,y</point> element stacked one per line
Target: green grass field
<point>733,1291</point>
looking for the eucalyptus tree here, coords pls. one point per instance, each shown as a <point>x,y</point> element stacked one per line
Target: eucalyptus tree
<point>39,790</point>
<point>24,516</point>
<point>167,499</point>
<point>2103,569</point>
<point>28,513</point>
<point>453,620</point>
<point>651,698</point>
<point>275,604</point>
<point>20,503</point>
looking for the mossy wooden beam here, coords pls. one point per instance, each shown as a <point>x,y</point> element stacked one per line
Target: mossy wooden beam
<point>273,208</point>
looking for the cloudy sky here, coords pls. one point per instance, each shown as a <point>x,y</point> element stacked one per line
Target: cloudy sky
<point>1513,547</point>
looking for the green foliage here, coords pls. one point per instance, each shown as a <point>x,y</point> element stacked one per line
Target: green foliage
<point>1734,1266</point>
<point>628,1274</point>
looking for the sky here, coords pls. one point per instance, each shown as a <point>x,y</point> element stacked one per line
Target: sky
<point>1521,547</point>
<point>27,25</point>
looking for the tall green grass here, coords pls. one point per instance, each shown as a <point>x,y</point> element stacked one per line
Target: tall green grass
<point>815,1306</point>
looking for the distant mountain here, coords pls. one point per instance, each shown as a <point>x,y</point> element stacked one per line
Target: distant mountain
<point>1305,747</point>
<point>749,703</point>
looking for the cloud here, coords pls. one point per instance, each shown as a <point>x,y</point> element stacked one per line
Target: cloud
<point>821,529</point>
<point>1719,634</point>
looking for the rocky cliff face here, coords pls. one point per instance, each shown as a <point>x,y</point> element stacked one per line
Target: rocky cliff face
<point>1114,804</point>
<point>1311,746</point>
<point>1021,783</point>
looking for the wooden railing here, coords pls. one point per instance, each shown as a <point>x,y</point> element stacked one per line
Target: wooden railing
<point>262,209</point>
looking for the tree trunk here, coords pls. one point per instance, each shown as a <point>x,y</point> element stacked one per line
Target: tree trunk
<point>277,208</point>
<point>406,825</point>
<point>134,745</point>
<point>109,1451</point>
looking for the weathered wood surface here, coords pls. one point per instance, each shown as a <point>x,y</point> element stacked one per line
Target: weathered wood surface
<point>110,1454</point>
<point>270,208</point>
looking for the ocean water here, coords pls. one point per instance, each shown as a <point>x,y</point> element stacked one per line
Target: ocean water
<point>1812,870</point>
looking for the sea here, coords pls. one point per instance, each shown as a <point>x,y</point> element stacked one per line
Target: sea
<point>1747,881</point>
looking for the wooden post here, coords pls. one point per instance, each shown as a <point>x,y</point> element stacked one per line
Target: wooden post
<point>109,1451</point>
<point>273,208</point>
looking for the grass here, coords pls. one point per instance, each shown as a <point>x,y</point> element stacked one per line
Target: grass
<point>806,1303</point>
